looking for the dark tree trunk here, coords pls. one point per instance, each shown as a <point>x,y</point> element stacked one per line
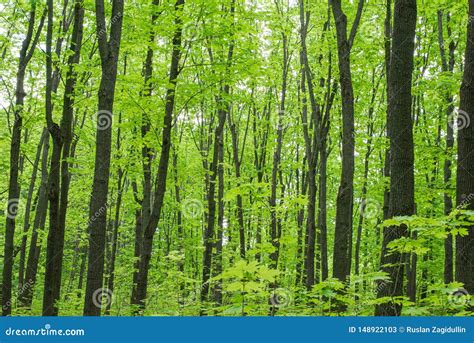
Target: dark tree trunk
<point>260,154</point>
<point>370,131</point>
<point>387,48</point>
<point>26,225</point>
<point>311,149</point>
<point>109,51</point>
<point>447,67</point>
<point>220,219</point>
<point>26,52</point>
<point>465,180</point>
<point>147,156</point>
<point>237,162</point>
<point>25,297</point>
<point>344,206</point>
<point>275,221</point>
<point>179,223</point>
<point>222,113</point>
<point>401,149</point>
<point>59,170</point>
<point>116,224</point>
<point>151,226</point>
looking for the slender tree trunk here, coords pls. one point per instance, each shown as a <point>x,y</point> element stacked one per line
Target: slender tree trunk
<point>447,67</point>
<point>149,230</point>
<point>237,162</point>
<point>401,149</point>
<point>387,48</point>
<point>116,224</point>
<point>312,152</point>
<point>343,227</point>
<point>25,297</point>
<point>26,52</point>
<point>220,222</point>
<point>26,225</point>
<point>109,51</point>
<point>218,139</point>
<point>370,129</point>
<point>147,155</point>
<point>59,170</point>
<point>274,236</point>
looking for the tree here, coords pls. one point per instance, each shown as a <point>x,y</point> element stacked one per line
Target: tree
<point>343,230</point>
<point>26,53</point>
<point>402,202</point>
<point>109,52</point>
<point>162,173</point>
<point>465,180</point>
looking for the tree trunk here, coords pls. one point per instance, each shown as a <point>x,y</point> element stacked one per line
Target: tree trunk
<point>447,67</point>
<point>343,227</point>
<point>218,139</point>
<point>59,170</point>
<point>26,224</point>
<point>401,149</point>
<point>26,52</point>
<point>152,225</point>
<point>25,297</point>
<point>109,51</point>
<point>465,180</point>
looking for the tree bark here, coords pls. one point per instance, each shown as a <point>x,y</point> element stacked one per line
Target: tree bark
<point>465,180</point>
<point>26,296</point>
<point>151,226</point>
<point>59,171</point>
<point>447,66</point>
<point>26,224</point>
<point>222,113</point>
<point>344,206</point>
<point>109,51</point>
<point>401,149</point>
<point>26,52</point>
